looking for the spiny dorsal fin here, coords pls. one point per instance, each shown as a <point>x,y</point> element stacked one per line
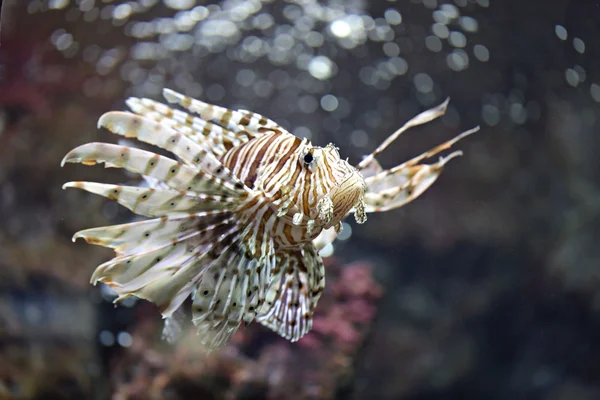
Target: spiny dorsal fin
<point>211,136</point>
<point>175,175</point>
<point>242,121</point>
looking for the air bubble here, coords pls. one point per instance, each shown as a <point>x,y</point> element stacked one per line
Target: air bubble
<point>440,30</point>
<point>346,232</point>
<point>490,114</point>
<point>122,11</point>
<point>457,39</point>
<point>572,77</point>
<point>469,24</point>
<point>180,4</point>
<point>327,251</point>
<point>302,132</point>
<point>329,102</point>
<point>458,60</point>
<point>561,32</point>
<point>481,52</point>
<point>245,77</point>
<point>106,338</point>
<point>595,92</point>
<point>423,83</point>
<point>321,67</point>
<point>579,45</point>
<point>57,4</point>
<point>340,28</point>
<point>391,49</point>
<point>124,339</point>
<point>359,138</point>
<point>433,43</point>
<point>393,17</point>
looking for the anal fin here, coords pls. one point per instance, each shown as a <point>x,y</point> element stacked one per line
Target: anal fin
<point>297,281</point>
<point>231,291</point>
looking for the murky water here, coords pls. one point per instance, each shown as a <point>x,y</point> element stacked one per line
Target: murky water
<point>483,287</point>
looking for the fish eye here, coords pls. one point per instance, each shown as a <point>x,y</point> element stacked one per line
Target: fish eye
<point>308,158</point>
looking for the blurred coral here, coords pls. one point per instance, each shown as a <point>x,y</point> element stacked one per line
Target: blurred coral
<point>257,363</point>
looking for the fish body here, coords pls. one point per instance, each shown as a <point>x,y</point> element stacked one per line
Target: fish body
<point>237,220</point>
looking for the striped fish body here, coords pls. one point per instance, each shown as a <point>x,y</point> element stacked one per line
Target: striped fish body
<point>237,219</point>
<point>308,188</point>
<point>231,221</point>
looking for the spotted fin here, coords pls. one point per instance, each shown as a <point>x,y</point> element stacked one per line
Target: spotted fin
<point>208,260</point>
<point>167,259</point>
<point>174,174</point>
<point>242,121</point>
<point>163,268</point>
<point>152,202</point>
<point>209,135</point>
<point>138,237</point>
<point>152,132</point>
<point>200,230</point>
<point>231,291</point>
<point>297,281</point>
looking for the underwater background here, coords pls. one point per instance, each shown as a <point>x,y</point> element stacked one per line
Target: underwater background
<point>485,287</point>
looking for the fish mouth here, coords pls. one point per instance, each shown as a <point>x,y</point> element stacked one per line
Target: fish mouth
<point>355,177</point>
<point>346,195</point>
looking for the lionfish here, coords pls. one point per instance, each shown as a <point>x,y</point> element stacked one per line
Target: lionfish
<point>238,220</point>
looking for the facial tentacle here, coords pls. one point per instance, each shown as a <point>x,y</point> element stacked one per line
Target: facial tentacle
<point>325,207</point>
<point>297,218</point>
<point>360,214</point>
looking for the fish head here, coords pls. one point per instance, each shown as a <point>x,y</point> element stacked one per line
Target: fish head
<point>339,186</point>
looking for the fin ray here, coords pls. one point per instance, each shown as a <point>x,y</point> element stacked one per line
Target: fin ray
<point>229,293</point>
<point>177,176</point>
<point>151,202</point>
<point>166,275</point>
<point>134,237</point>
<point>210,135</point>
<point>295,287</point>
<point>152,132</point>
<point>239,122</point>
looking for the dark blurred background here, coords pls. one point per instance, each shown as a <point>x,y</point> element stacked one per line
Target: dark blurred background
<point>486,287</point>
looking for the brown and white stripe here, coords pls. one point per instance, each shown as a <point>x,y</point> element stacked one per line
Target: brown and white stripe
<point>234,216</point>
